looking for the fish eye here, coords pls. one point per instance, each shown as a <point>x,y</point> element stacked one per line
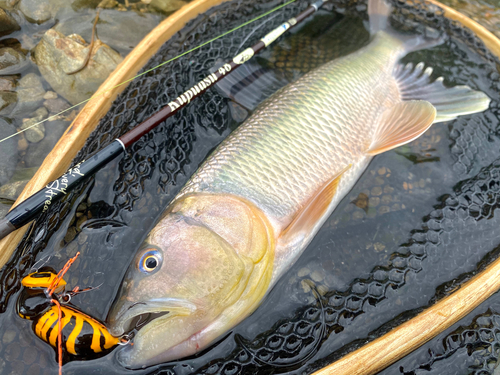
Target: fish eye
<point>150,261</point>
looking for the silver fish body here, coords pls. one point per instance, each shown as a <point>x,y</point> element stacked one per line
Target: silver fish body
<point>253,206</point>
<point>304,135</point>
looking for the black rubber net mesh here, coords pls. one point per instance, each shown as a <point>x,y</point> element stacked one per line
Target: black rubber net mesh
<point>418,223</point>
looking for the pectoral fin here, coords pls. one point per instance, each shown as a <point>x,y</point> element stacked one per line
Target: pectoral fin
<point>314,210</point>
<point>401,124</point>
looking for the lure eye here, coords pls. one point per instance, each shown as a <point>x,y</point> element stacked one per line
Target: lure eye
<point>150,261</point>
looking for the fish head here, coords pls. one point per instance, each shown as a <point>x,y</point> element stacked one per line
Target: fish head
<point>190,282</point>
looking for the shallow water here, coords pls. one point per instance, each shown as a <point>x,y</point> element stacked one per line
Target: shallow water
<point>414,222</point>
<point>26,94</point>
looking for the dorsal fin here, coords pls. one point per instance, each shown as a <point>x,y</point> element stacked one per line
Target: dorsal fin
<point>401,124</point>
<point>313,211</point>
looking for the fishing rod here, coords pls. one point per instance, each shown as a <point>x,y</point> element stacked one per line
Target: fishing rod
<point>40,201</point>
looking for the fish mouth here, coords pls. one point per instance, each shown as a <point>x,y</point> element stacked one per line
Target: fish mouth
<point>134,316</point>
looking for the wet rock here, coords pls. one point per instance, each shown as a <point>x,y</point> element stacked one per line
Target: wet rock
<point>30,94</point>
<point>108,4</point>
<point>50,95</point>
<point>57,55</point>
<point>4,209</point>
<point>7,23</point>
<point>35,133</point>
<point>81,4</point>
<point>38,151</point>
<point>12,190</point>
<point>167,6</point>
<point>23,174</point>
<point>11,61</point>
<point>119,30</point>
<point>36,11</point>
<point>7,84</point>
<point>8,152</point>
<point>56,105</point>
<point>8,4</point>
<point>22,142</point>
<point>8,101</point>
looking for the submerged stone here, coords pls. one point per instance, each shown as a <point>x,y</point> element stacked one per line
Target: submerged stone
<point>7,84</point>
<point>30,94</point>
<point>56,105</point>
<point>36,133</point>
<point>7,23</point>
<point>7,102</point>
<point>119,30</point>
<point>36,11</point>
<point>38,151</point>
<point>12,190</point>
<point>167,6</point>
<point>11,61</point>
<point>57,55</point>
<point>8,152</point>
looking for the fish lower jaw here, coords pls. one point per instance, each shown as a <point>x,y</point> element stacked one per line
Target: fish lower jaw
<point>141,315</point>
<point>190,346</point>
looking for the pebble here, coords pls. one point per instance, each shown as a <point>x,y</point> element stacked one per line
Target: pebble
<point>119,30</point>
<point>12,190</point>
<point>7,84</point>
<point>56,105</point>
<point>38,151</point>
<point>4,209</point>
<point>50,95</point>
<point>36,11</point>
<point>7,23</point>
<point>36,133</point>
<point>167,6</point>
<point>11,61</point>
<point>8,152</point>
<point>8,102</point>
<point>22,142</point>
<point>57,55</point>
<point>30,94</point>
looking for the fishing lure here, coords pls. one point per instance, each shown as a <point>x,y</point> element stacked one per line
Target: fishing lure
<point>44,301</point>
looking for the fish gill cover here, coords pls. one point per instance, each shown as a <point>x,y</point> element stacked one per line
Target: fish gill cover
<point>418,223</point>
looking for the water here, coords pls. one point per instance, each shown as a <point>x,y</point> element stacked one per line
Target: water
<point>412,223</point>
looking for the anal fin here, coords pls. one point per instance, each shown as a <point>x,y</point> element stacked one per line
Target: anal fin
<point>305,220</point>
<point>401,124</point>
<point>416,84</point>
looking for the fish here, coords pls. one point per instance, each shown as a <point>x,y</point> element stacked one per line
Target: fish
<point>253,206</point>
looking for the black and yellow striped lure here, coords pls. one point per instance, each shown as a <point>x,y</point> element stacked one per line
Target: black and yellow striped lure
<point>83,337</point>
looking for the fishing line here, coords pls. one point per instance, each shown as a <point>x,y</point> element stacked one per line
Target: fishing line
<point>150,70</point>
<point>40,201</point>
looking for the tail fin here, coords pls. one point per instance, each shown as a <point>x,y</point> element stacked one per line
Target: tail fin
<point>379,12</point>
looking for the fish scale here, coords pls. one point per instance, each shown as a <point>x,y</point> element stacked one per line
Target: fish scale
<point>288,149</point>
<point>263,194</point>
